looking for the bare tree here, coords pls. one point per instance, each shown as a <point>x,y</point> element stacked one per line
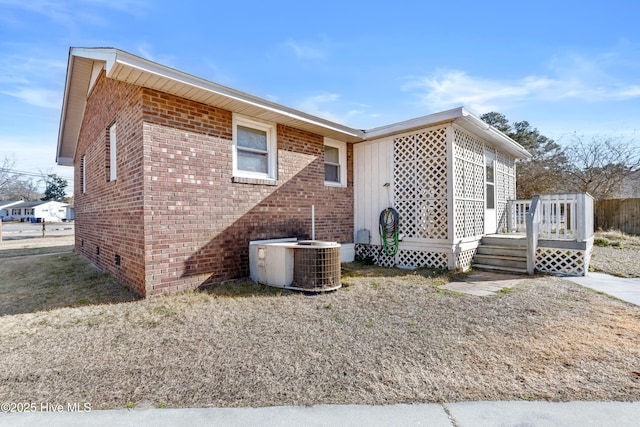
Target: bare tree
<point>6,175</point>
<point>15,185</point>
<point>21,189</point>
<point>600,165</point>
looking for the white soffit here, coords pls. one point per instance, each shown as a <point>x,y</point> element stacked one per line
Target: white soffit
<point>86,63</point>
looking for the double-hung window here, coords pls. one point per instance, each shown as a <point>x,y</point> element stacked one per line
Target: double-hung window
<point>254,149</point>
<point>335,163</point>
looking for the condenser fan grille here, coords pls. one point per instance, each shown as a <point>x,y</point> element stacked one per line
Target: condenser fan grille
<point>316,267</point>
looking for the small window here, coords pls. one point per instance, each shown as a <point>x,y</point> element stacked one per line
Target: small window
<point>490,182</point>
<point>335,163</point>
<point>112,146</point>
<point>83,174</point>
<point>254,144</point>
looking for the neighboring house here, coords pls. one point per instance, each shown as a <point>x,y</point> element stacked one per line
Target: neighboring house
<point>175,175</point>
<point>48,211</point>
<point>5,209</point>
<point>70,213</point>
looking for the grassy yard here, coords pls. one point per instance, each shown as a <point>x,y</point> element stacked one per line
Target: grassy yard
<point>30,284</point>
<point>71,334</point>
<point>616,253</point>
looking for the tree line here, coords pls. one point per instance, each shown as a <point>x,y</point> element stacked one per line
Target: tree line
<point>598,165</point>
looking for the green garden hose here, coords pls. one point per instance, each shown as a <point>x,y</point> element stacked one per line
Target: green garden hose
<point>389,230</point>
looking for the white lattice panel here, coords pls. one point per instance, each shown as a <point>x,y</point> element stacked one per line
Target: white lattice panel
<point>505,177</point>
<point>458,178</point>
<point>419,259</point>
<point>375,253</point>
<point>431,178</point>
<point>478,217</point>
<point>420,182</point>
<point>405,149</point>
<point>406,211</point>
<point>469,218</point>
<point>432,143</point>
<point>404,177</point>
<point>367,251</point>
<point>431,218</point>
<point>458,218</point>
<point>468,185</point>
<point>478,182</point>
<point>562,261</point>
<point>463,259</point>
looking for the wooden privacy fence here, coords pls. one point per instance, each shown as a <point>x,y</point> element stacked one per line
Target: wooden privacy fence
<point>618,214</point>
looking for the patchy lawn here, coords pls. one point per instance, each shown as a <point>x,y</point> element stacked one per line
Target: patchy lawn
<point>389,336</point>
<point>616,253</point>
<point>46,282</point>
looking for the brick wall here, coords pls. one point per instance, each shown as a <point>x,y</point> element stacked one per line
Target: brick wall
<point>174,216</point>
<point>109,215</point>
<point>199,223</point>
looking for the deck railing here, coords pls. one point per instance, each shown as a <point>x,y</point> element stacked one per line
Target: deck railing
<point>566,216</point>
<point>517,215</point>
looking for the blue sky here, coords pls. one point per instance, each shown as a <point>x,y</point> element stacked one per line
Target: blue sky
<point>564,66</point>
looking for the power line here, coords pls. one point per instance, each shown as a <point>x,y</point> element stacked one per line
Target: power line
<point>37,175</point>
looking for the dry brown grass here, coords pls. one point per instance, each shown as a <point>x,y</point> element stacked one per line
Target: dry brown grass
<point>54,280</point>
<point>36,246</point>
<point>389,336</point>
<point>616,253</point>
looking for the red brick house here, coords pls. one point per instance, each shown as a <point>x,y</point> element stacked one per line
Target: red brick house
<point>174,175</point>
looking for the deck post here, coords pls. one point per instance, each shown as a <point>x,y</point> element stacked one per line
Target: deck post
<point>533,224</point>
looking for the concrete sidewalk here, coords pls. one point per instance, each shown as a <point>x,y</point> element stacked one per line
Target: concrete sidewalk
<point>517,413</point>
<point>619,287</point>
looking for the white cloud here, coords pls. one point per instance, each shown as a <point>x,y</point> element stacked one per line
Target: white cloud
<point>68,12</point>
<point>44,98</point>
<point>305,51</point>
<point>574,79</point>
<point>329,106</point>
<point>308,49</point>
<point>317,105</point>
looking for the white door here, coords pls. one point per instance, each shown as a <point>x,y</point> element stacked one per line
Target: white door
<point>490,215</point>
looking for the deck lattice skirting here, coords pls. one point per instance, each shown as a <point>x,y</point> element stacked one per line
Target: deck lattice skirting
<point>563,261</point>
<point>404,258</point>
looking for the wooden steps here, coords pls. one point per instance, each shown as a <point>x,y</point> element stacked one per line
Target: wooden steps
<point>498,253</point>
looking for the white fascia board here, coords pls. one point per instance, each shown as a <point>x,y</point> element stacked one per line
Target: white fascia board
<point>419,122</point>
<point>106,54</point>
<point>496,136</point>
<point>129,60</point>
<point>63,111</point>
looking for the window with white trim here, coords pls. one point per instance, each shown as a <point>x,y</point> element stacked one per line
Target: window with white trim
<point>113,170</point>
<point>254,149</point>
<point>335,163</point>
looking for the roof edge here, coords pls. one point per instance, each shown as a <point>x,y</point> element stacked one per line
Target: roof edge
<point>128,59</point>
<point>454,115</point>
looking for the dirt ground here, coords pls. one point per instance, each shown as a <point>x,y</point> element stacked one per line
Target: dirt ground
<point>389,336</point>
